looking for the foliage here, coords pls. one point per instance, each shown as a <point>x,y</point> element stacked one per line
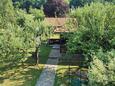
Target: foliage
<point>34,29</point>
<point>95,38</point>
<point>102,72</point>
<point>55,8</point>
<point>26,4</point>
<point>20,33</point>
<point>95,30</point>
<point>39,14</point>
<point>67,1</point>
<point>77,3</point>
<point>5,6</point>
<point>9,38</point>
<point>80,3</point>
<point>27,73</point>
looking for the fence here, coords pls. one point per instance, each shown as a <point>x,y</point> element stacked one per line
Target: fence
<point>75,76</point>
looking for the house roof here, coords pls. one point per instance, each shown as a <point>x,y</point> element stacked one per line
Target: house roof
<point>59,24</point>
<point>56,21</point>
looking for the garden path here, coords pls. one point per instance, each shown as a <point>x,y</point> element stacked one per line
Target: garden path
<point>47,77</point>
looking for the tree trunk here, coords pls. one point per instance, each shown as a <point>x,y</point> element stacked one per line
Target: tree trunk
<point>36,56</point>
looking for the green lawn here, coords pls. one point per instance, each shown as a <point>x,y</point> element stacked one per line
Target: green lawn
<point>61,75</point>
<point>44,52</point>
<point>26,74</point>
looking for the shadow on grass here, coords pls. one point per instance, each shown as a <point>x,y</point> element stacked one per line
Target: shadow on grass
<point>69,70</point>
<point>27,77</point>
<point>23,75</point>
<point>71,76</point>
<point>14,73</point>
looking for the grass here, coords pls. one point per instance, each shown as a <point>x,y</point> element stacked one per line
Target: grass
<point>44,52</point>
<point>20,76</point>
<point>55,36</point>
<point>61,75</point>
<point>26,74</point>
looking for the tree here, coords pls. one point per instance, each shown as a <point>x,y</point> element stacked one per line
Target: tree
<point>39,14</point>
<point>95,39</point>
<point>33,30</point>
<point>10,41</point>
<point>56,8</point>
<point>26,4</point>
<point>95,29</point>
<point>20,33</point>
<point>81,3</point>
<point>39,4</point>
<point>7,12</point>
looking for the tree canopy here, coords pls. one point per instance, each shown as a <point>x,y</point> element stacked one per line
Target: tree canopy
<point>95,39</point>
<point>26,4</point>
<point>20,32</point>
<point>81,3</point>
<point>56,8</point>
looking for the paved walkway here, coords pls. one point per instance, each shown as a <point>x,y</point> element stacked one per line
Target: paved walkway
<point>47,77</point>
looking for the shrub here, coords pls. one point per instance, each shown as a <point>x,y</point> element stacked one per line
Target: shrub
<point>102,72</point>
<point>95,29</point>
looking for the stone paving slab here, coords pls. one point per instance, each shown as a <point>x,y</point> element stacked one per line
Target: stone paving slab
<point>55,53</point>
<point>47,77</point>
